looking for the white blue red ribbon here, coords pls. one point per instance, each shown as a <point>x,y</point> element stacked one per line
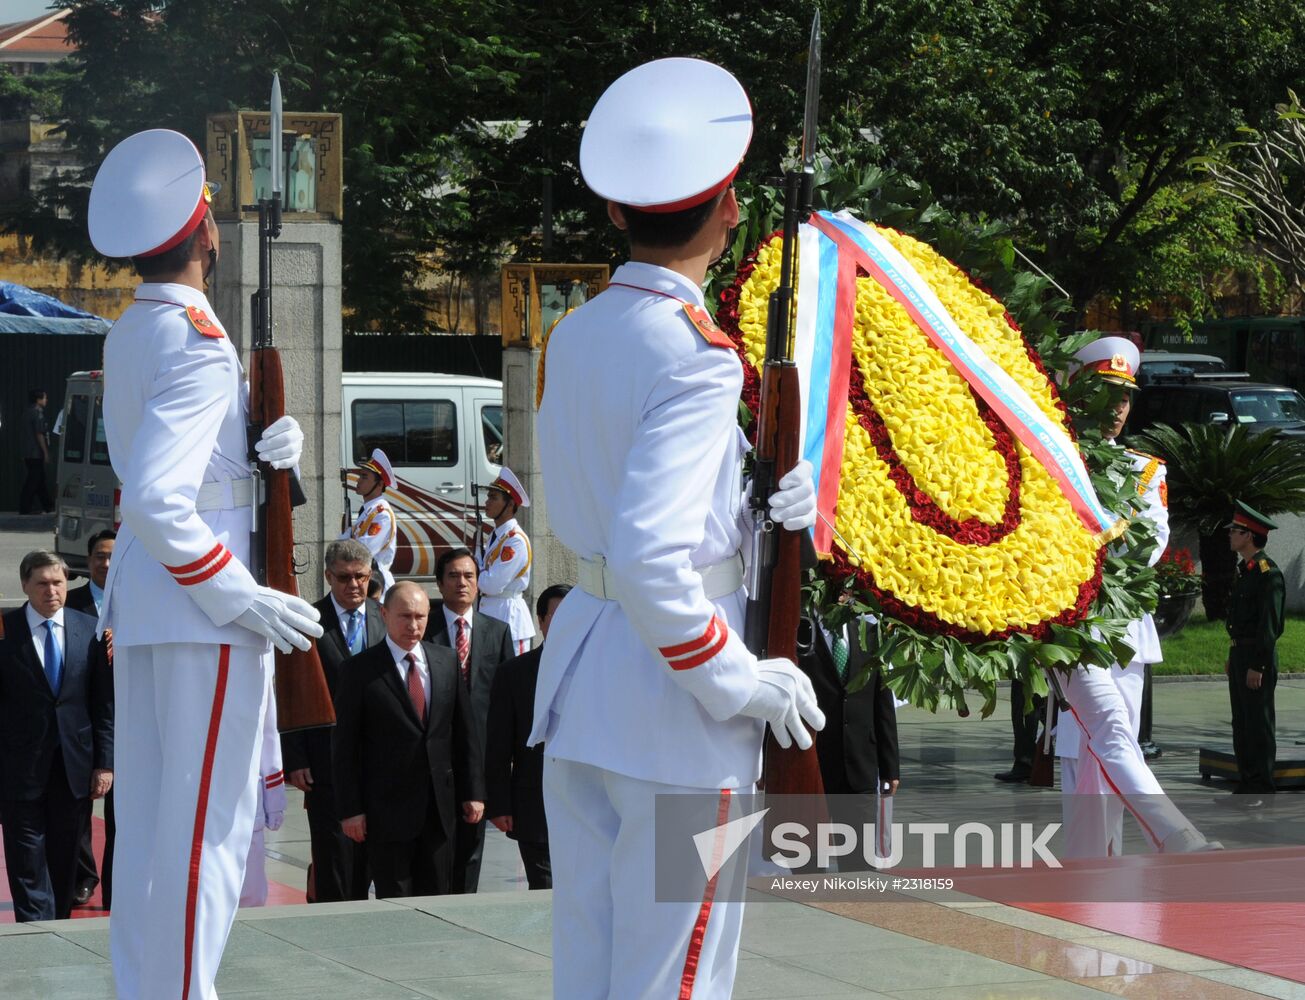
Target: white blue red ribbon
<point>833,248</point>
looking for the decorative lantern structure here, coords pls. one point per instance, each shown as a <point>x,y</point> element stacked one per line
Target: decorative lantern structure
<point>535,296</point>
<point>312,153</point>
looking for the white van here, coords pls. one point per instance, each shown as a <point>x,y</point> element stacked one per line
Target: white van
<point>442,434</point>
<point>87,491</point>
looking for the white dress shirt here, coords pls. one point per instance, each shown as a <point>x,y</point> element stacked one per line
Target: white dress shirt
<point>97,595</point>
<point>37,626</point>
<point>451,625</point>
<point>343,616</point>
<point>401,664</point>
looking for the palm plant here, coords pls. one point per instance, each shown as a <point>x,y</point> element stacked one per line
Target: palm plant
<point>1210,466</point>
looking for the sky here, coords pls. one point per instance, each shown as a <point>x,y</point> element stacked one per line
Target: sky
<point>21,10</point>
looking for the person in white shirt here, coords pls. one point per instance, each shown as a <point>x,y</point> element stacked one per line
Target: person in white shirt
<point>1103,772</point>
<point>193,630</point>
<point>646,688</point>
<point>505,560</point>
<point>375,525</point>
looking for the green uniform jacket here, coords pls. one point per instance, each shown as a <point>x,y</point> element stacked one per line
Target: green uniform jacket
<point>1255,614</point>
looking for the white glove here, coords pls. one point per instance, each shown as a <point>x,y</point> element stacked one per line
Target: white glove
<point>281,444</point>
<point>794,504</point>
<point>274,806</point>
<point>784,697</point>
<point>287,621</point>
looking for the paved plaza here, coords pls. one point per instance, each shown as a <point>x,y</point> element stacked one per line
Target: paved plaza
<point>497,944</point>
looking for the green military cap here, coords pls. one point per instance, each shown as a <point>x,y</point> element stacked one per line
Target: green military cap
<point>1251,519</point>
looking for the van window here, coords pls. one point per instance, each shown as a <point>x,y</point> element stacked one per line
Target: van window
<point>74,429</point>
<point>491,427</point>
<point>411,432</point>
<point>99,441</point>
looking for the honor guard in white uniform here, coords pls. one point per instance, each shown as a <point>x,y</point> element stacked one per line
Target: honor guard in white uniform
<point>375,525</point>
<point>505,560</point>
<point>193,631</point>
<point>1102,768</point>
<point>269,814</point>
<point>645,686</point>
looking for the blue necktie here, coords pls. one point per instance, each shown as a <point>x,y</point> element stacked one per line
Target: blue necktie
<point>354,636</point>
<point>53,658</point>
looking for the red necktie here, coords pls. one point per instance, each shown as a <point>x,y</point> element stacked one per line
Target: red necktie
<point>415,691</point>
<point>464,653</point>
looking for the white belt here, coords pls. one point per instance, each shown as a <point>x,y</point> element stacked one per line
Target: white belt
<point>718,580</point>
<point>229,494</point>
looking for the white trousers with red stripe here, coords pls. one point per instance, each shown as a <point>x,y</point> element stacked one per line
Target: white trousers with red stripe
<point>1110,766</point>
<point>611,938</point>
<point>188,724</point>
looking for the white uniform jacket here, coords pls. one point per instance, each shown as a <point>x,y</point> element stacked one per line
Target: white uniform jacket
<point>175,411</point>
<point>1142,635</point>
<point>375,528</point>
<point>504,577</point>
<point>641,456</point>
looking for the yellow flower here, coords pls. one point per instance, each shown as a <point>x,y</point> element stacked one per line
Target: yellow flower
<point>1034,559</point>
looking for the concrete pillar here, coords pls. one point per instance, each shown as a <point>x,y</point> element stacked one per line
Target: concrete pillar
<point>553,561</point>
<point>307,328</point>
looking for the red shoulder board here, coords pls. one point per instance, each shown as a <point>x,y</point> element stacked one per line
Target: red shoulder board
<point>706,326</point>
<point>200,321</point>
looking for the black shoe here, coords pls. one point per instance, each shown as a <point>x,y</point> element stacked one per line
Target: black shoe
<point>1151,752</point>
<point>1014,776</point>
<point>83,894</point>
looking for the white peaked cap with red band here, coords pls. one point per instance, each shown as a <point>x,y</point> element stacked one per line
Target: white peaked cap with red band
<point>149,195</point>
<point>667,135</point>
<point>379,463</point>
<point>1115,359</point>
<point>511,485</point>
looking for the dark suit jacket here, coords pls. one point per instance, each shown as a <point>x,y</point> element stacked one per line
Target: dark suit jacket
<point>491,644</point>
<point>34,723</point>
<point>859,742</point>
<point>387,765</point>
<point>514,772</point>
<point>311,748</point>
<point>80,599</point>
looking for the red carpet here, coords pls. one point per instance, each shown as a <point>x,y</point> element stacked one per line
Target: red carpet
<point>277,894</point>
<point>1245,908</point>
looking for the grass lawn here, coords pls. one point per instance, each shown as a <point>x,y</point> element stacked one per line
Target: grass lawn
<point>1202,646</point>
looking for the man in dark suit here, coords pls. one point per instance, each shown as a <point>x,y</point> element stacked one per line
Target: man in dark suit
<point>87,600</point>
<point>514,772</point>
<point>481,643</point>
<point>351,623</point>
<point>56,738</point>
<point>858,748</point>
<point>404,753</point>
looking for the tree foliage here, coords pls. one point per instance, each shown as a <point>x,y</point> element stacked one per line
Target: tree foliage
<point>1072,122</point>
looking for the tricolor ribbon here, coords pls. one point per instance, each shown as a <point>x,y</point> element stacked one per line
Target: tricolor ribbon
<point>833,250</point>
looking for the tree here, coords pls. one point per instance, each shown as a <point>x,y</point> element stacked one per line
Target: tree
<point>407,76</point>
<point>1210,467</point>
<point>1067,118</point>
<point>1265,175</point>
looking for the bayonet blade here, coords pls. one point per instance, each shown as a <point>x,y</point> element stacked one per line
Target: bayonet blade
<point>811,112</point>
<point>275,136</point>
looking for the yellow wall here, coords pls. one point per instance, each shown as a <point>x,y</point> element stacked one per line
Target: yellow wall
<point>93,288</point>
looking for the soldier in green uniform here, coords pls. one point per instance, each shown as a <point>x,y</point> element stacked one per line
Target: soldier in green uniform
<point>1255,618</point>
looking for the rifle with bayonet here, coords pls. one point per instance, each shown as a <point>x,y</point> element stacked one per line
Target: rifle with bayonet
<point>303,700</point>
<point>775,585</point>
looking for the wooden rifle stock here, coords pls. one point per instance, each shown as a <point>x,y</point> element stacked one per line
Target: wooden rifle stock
<point>788,771</point>
<point>303,700</point>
